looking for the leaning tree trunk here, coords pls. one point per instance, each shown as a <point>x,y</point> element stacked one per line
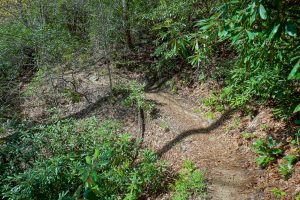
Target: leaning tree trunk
<point>140,131</point>
<point>126,24</point>
<point>141,123</point>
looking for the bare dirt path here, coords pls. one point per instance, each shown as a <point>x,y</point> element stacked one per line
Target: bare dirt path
<point>187,135</point>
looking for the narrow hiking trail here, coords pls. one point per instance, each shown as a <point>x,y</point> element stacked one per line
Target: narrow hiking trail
<point>190,136</point>
<point>177,133</point>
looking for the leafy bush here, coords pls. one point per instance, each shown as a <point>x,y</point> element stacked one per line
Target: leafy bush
<point>121,178</point>
<point>34,34</point>
<point>268,150</point>
<point>248,136</point>
<point>278,193</point>
<point>173,22</point>
<point>296,140</point>
<point>190,183</point>
<point>261,42</point>
<point>137,97</point>
<point>286,169</point>
<point>75,159</point>
<point>266,43</point>
<point>213,102</point>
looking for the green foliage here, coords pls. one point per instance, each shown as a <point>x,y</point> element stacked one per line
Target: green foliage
<point>75,159</point>
<point>209,115</point>
<point>190,183</point>
<point>213,102</point>
<point>256,44</point>
<point>124,179</point>
<point>44,180</point>
<point>268,150</point>
<point>266,43</point>
<point>172,85</point>
<point>174,43</point>
<point>137,97</point>
<point>74,96</point>
<point>295,73</point>
<point>286,169</point>
<point>2,130</point>
<point>14,45</point>
<point>297,109</point>
<point>36,35</point>
<point>278,193</point>
<point>173,22</point>
<point>36,81</point>
<point>248,136</point>
<point>137,94</point>
<point>296,140</point>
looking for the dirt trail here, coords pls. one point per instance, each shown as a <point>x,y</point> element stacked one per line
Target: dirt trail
<point>190,136</point>
<point>177,134</point>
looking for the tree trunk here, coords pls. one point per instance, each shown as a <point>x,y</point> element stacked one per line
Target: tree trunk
<point>141,123</point>
<point>110,78</point>
<point>126,24</point>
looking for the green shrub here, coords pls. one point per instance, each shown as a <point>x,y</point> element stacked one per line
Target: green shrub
<point>172,21</point>
<point>262,43</point>
<point>248,136</point>
<point>190,183</point>
<point>75,159</point>
<point>286,169</point>
<point>266,44</point>
<point>72,95</point>
<point>296,140</point>
<point>214,103</point>
<point>137,97</point>
<point>268,150</point>
<point>278,193</point>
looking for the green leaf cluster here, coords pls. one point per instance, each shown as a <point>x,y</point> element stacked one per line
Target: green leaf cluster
<point>190,183</point>
<point>268,150</point>
<point>77,159</point>
<point>260,38</point>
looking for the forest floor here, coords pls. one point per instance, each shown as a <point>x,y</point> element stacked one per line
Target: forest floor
<point>181,129</point>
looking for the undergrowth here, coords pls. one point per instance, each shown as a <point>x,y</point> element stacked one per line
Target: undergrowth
<point>190,183</point>
<point>75,159</point>
<point>268,150</point>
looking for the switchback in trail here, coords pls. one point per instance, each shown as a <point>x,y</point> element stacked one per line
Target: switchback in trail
<point>190,136</point>
<point>176,134</point>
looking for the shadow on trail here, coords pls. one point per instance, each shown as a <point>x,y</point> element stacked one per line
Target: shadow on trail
<point>226,116</point>
<point>119,112</point>
<point>89,109</point>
